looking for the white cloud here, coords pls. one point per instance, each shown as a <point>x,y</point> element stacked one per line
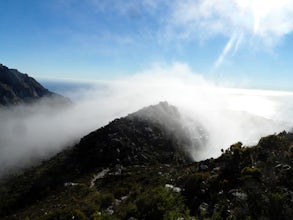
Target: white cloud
<point>228,115</point>
<point>264,21</point>
<point>257,23</point>
<point>232,41</point>
<point>262,18</point>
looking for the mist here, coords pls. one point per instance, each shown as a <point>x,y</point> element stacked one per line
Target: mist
<point>29,133</point>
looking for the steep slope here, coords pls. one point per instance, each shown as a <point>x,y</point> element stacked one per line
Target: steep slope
<point>138,168</point>
<point>16,88</point>
<point>153,134</point>
<point>133,140</point>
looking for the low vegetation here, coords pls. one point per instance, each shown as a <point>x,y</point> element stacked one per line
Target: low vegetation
<point>243,183</point>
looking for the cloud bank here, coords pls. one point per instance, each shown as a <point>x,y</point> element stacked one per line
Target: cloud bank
<point>255,23</point>
<point>263,22</point>
<point>28,133</point>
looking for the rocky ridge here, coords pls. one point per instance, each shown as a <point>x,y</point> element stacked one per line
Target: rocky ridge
<point>17,88</point>
<point>153,134</point>
<point>134,140</point>
<point>137,168</point>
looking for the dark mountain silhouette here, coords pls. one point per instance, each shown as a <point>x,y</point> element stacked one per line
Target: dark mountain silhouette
<point>153,134</point>
<point>142,138</point>
<point>138,167</point>
<point>16,88</point>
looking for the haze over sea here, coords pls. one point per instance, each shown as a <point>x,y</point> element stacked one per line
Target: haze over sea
<point>224,64</point>
<point>228,114</point>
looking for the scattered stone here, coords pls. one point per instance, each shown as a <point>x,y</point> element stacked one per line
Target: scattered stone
<point>99,175</point>
<point>173,188</point>
<point>241,196</point>
<point>67,184</point>
<point>203,207</point>
<point>203,167</point>
<point>109,210</point>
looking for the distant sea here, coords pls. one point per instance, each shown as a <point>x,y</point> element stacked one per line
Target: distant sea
<point>69,88</point>
<point>63,87</point>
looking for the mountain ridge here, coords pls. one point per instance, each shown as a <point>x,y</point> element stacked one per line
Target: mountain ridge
<point>137,168</point>
<point>17,88</point>
<point>129,141</point>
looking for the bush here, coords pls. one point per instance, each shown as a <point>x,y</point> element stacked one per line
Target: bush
<point>192,186</point>
<point>107,200</point>
<point>120,191</point>
<point>249,172</point>
<point>272,142</point>
<point>66,214</point>
<point>160,203</point>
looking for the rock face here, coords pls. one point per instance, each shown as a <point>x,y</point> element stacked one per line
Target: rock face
<point>16,88</point>
<point>140,139</point>
<point>153,134</point>
<point>136,168</point>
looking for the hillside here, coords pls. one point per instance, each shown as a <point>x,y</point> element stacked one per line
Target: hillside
<point>138,167</point>
<point>16,88</point>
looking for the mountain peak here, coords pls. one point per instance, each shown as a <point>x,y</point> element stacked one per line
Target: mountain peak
<point>159,112</point>
<point>145,136</point>
<point>133,165</point>
<point>17,87</point>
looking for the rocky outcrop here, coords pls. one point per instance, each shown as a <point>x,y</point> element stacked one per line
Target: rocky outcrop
<point>153,134</point>
<point>140,139</point>
<point>136,168</point>
<point>17,88</point>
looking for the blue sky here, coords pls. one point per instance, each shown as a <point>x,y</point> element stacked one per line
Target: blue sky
<point>246,43</point>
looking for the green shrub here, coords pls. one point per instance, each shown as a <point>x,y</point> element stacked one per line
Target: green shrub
<point>236,146</point>
<point>191,184</point>
<point>120,191</point>
<point>67,214</point>
<point>160,203</point>
<point>250,172</point>
<point>107,200</point>
<point>129,211</point>
<point>272,142</point>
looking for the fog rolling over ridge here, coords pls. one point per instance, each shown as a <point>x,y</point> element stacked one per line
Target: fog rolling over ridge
<point>29,132</point>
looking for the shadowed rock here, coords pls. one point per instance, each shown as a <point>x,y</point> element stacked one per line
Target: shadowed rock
<point>17,88</point>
